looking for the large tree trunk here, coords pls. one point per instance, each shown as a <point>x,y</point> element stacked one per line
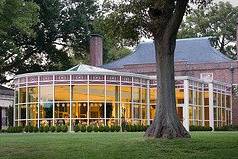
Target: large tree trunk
<point>166,123</point>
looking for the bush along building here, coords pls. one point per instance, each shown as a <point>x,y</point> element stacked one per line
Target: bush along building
<point>124,91</point>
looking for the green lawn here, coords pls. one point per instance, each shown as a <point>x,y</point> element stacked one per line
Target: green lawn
<point>117,145</point>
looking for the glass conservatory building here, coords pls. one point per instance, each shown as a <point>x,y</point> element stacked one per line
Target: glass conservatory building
<point>92,95</point>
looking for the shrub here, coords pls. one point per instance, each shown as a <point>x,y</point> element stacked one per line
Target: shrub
<point>46,129</point>
<point>89,128</point>
<point>106,128</point>
<point>117,128</point>
<point>3,131</point>
<point>95,128</point>
<point>83,128</point>
<point>30,129</point>
<point>52,128</point>
<point>112,128</point>
<point>41,129</point>
<point>76,128</point>
<point>58,128</point>
<point>10,129</point>
<point>26,129</point>
<point>199,128</point>
<point>35,129</point>
<point>64,128</point>
<point>19,129</point>
<point>101,128</point>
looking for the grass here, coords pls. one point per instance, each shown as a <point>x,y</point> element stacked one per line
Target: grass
<point>117,145</point>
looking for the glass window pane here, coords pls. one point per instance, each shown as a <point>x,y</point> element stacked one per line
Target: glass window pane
<point>113,93</point>
<point>136,94</point>
<point>62,110</point>
<point>79,109</point>
<point>152,111</point>
<point>22,111</point>
<point>62,93</point>
<point>153,95</point>
<point>96,93</point>
<point>136,111</point>
<point>112,110</point>
<point>33,94</point>
<point>126,111</point>
<point>22,95</point>
<point>32,111</point>
<point>46,110</point>
<point>126,94</point>
<point>179,96</point>
<point>96,110</point>
<point>79,92</point>
<point>46,93</point>
<point>144,95</point>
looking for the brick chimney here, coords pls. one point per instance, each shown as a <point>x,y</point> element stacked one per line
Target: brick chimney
<point>96,50</point>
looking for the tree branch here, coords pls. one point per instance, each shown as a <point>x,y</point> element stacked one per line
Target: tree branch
<point>176,19</point>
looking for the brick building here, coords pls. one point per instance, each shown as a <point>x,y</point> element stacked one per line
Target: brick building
<point>193,57</point>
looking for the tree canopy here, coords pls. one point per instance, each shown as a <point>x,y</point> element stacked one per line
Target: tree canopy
<point>217,21</point>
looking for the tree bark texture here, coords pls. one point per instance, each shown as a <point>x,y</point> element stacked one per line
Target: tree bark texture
<point>166,123</point>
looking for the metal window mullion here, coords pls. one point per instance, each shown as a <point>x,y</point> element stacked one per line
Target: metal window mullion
<point>132,100</point>
<point>53,100</point>
<point>88,99</point>
<point>148,102</point>
<point>70,103</point>
<point>38,105</point>
<point>26,100</point>
<point>141,106</point>
<point>105,102</point>
<point>203,109</point>
<point>120,114</point>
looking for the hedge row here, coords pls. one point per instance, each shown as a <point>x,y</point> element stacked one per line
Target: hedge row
<point>31,129</point>
<point>199,128</point>
<point>90,128</point>
<point>226,128</point>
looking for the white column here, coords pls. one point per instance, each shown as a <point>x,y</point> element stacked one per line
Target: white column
<point>186,105</point>
<point>148,102</point>
<point>70,104</point>
<point>211,114</point>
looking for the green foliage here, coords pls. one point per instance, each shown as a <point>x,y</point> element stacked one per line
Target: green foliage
<point>26,128</point>
<point>58,128</point>
<point>41,129</point>
<point>52,128</point>
<point>64,128</point>
<point>101,128</point>
<point>35,129</point>
<point>106,128</point>
<point>83,128</point>
<point>217,21</point>
<point>46,129</point>
<point>199,128</point>
<point>95,128</point>
<point>17,129</point>
<point>31,128</point>
<point>112,128</point>
<point>117,128</point>
<point>77,128</point>
<point>44,35</point>
<point>89,128</point>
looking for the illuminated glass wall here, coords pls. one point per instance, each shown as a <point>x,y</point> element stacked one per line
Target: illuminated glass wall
<point>95,99</point>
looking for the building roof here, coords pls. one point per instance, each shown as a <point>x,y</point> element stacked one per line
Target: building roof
<point>191,50</point>
<point>87,69</point>
<point>6,91</point>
